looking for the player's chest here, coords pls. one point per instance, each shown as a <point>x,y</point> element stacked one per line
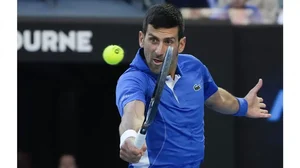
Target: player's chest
<point>181,92</point>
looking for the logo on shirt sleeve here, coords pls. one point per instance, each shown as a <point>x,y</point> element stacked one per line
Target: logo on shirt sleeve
<point>197,87</point>
<point>125,97</point>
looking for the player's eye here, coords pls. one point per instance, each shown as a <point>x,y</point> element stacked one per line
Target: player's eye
<point>169,41</point>
<point>153,40</point>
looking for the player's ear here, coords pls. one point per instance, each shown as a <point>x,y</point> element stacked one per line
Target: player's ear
<point>141,39</point>
<point>181,46</point>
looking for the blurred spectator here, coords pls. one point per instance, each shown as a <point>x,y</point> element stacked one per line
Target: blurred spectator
<point>192,3</point>
<point>249,11</point>
<point>24,160</point>
<point>67,161</point>
<point>193,9</point>
<point>280,13</point>
<point>146,4</point>
<point>51,3</point>
<point>280,17</point>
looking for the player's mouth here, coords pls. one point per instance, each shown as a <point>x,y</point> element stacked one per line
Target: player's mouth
<point>157,61</point>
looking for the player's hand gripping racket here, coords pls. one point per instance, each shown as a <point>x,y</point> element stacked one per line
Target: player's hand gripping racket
<point>154,102</point>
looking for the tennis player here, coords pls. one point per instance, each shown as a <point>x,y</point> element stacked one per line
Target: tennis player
<point>176,137</point>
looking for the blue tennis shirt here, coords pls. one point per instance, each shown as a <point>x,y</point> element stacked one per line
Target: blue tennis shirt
<point>176,137</point>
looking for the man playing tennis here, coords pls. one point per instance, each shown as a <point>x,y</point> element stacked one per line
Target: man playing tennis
<point>175,139</point>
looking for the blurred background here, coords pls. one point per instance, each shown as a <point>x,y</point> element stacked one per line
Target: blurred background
<point>67,115</point>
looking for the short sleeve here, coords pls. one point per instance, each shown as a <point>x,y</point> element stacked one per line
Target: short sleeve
<point>210,86</point>
<point>130,86</point>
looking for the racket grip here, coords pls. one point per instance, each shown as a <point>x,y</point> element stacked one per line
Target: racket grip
<point>139,140</point>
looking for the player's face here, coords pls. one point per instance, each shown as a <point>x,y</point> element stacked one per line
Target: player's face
<point>155,43</point>
<point>67,162</point>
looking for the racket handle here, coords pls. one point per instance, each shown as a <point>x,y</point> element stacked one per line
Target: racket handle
<point>139,140</point>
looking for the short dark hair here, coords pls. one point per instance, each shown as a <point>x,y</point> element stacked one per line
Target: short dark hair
<point>164,16</point>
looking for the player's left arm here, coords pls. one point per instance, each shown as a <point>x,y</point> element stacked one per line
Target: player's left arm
<point>223,102</point>
<point>220,100</point>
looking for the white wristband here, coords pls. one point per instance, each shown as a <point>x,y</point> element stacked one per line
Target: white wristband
<point>127,134</point>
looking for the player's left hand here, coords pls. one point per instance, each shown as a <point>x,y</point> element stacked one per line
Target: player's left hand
<point>256,106</point>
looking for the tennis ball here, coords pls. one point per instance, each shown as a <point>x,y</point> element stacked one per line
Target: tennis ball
<point>113,54</point>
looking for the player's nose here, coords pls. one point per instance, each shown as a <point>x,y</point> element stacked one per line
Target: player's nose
<point>159,51</point>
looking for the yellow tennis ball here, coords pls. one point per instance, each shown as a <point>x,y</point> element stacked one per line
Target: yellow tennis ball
<point>113,54</point>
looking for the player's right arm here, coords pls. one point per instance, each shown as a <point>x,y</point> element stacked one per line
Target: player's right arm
<point>130,100</point>
<point>133,116</point>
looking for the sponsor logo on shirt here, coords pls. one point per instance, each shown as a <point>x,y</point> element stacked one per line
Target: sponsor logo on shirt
<point>197,87</point>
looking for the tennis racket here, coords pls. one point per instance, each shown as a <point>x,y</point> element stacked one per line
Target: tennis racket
<point>155,99</point>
